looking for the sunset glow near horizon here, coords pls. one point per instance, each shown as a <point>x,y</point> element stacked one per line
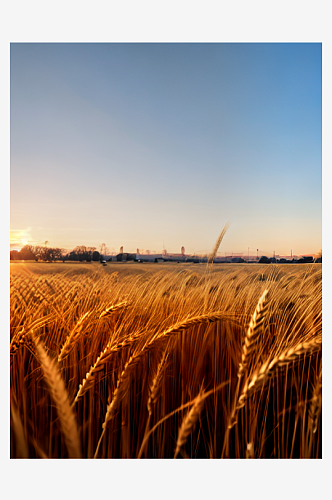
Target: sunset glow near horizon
<point>158,145</point>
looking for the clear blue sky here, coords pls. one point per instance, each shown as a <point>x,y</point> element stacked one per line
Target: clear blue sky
<point>145,145</point>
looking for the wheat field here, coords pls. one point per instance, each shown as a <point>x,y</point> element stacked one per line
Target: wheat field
<point>165,361</point>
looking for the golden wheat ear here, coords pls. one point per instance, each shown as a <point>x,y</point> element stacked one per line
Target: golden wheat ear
<point>154,387</point>
<point>119,392</point>
<point>254,332</point>
<point>189,423</point>
<point>115,307</point>
<point>72,337</point>
<point>60,397</point>
<point>217,243</point>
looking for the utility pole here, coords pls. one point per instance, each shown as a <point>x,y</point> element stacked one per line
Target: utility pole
<point>257,253</point>
<point>248,254</point>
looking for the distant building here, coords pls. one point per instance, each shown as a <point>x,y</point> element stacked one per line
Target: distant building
<point>148,257</point>
<point>195,260</point>
<point>176,256</point>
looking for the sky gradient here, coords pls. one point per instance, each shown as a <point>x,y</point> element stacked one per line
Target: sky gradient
<point>156,146</point>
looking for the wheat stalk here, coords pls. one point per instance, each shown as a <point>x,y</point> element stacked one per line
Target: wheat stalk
<point>120,391</point>
<point>60,397</point>
<point>316,402</point>
<point>112,309</point>
<point>100,362</point>
<point>189,423</point>
<point>24,336</point>
<point>268,369</point>
<point>155,385</point>
<point>217,244</point>
<point>254,331</point>
<point>72,337</point>
<point>188,323</point>
<point>89,379</point>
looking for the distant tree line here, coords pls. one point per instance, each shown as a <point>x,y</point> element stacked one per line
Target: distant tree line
<point>48,254</point>
<point>88,254</point>
<point>302,260</point>
<point>82,253</point>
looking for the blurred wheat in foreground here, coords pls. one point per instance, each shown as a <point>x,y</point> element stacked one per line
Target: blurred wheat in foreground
<point>177,361</point>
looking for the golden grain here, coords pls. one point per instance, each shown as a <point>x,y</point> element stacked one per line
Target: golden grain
<point>139,343</point>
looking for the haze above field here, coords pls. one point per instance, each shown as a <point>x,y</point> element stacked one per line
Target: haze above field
<point>158,145</point>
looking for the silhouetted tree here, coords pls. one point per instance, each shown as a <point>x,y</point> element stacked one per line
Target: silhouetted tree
<point>40,252</point>
<point>47,253</point>
<point>319,257</point>
<point>26,253</point>
<point>95,256</point>
<point>305,260</point>
<point>14,255</point>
